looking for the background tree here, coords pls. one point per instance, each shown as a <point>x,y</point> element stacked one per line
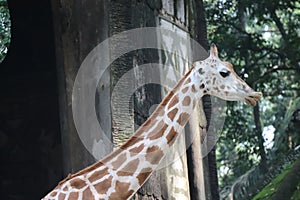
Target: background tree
<point>261,39</point>
<point>4,29</point>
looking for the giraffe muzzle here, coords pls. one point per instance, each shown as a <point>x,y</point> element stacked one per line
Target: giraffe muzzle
<point>252,98</point>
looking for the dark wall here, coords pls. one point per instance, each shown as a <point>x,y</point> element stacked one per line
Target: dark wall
<point>29,123</point>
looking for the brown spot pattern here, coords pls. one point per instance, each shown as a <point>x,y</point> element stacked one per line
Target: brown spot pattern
<point>153,149</point>
<point>201,71</point>
<point>158,131</point>
<point>183,118</point>
<point>61,196</point>
<point>137,150</point>
<point>171,137</point>
<point>194,88</point>
<point>73,195</point>
<point>87,194</point>
<point>154,154</point>
<point>159,111</point>
<point>167,98</point>
<point>172,113</point>
<point>145,127</point>
<point>119,161</point>
<point>53,194</point>
<point>222,87</point>
<point>186,101</point>
<point>121,191</point>
<point>143,175</point>
<point>103,186</point>
<point>129,168</point>
<point>77,183</point>
<point>214,80</point>
<point>132,141</point>
<point>173,102</point>
<point>216,89</point>
<point>184,90</point>
<point>188,81</point>
<point>98,174</point>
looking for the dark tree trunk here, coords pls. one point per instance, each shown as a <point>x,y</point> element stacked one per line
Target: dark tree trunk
<point>194,155</point>
<point>120,19</point>
<point>79,27</point>
<point>258,132</point>
<point>199,33</point>
<point>213,174</point>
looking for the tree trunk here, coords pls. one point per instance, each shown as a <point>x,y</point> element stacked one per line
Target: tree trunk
<point>213,174</point>
<point>122,112</point>
<point>199,33</point>
<point>194,154</point>
<point>77,27</point>
<point>258,131</point>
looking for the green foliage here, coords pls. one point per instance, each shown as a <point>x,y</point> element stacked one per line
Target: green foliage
<point>285,126</point>
<point>296,194</point>
<point>267,192</point>
<point>261,38</point>
<point>283,183</point>
<point>4,29</point>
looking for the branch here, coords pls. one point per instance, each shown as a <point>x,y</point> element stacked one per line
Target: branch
<point>278,23</point>
<point>273,70</point>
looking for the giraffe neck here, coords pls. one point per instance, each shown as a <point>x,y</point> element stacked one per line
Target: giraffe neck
<point>120,174</point>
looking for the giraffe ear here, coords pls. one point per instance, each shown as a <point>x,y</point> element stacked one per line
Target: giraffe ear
<point>214,50</point>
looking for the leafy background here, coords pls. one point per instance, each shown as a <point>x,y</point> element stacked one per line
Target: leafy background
<point>4,29</point>
<point>261,38</point>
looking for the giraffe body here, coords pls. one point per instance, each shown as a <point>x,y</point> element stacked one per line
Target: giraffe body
<point>120,174</point>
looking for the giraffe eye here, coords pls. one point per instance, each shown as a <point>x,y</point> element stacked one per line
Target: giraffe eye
<point>225,74</point>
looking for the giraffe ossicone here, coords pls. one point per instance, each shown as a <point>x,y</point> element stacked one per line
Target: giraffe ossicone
<point>120,174</point>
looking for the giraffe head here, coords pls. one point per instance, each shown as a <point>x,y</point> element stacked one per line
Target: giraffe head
<point>218,78</point>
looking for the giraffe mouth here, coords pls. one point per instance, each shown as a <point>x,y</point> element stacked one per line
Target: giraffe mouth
<point>253,98</point>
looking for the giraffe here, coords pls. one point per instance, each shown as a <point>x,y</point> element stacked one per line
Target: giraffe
<point>121,173</point>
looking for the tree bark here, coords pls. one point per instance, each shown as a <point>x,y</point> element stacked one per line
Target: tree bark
<point>76,25</point>
<point>198,31</point>
<point>213,174</point>
<point>194,154</point>
<point>120,20</point>
<point>258,131</point>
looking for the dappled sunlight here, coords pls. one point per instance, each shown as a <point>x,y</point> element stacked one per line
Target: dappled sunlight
<point>5,30</point>
<point>268,134</point>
